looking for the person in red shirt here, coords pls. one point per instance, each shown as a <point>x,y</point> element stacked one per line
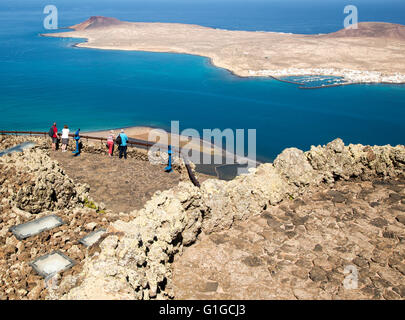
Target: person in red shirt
<point>110,143</point>
<point>54,137</point>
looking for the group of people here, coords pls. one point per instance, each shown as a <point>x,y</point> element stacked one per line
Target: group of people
<point>121,140</point>
<point>53,133</point>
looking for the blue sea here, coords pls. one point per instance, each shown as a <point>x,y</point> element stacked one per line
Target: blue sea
<point>43,80</point>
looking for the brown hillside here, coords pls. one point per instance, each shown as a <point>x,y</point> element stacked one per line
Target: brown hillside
<point>96,22</point>
<point>372,30</point>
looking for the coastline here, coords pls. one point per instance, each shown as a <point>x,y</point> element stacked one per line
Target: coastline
<point>363,77</point>
<point>284,54</point>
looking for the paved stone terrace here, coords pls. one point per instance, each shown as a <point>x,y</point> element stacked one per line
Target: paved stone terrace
<point>299,249</point>
<point>122,185</point>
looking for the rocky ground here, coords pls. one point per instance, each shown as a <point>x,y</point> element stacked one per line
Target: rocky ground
<point>33,185</point>
<point>292,224</point>
<point>17,278</point>
<point>137,262</point>
<point>300,248</point>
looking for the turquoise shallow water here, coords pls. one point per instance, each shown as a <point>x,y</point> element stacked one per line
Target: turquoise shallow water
<point>44,80</point>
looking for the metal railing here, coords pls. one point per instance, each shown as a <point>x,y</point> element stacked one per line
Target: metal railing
<point>135,142</point>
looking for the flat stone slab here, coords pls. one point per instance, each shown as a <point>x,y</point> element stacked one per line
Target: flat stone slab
<point>92,237</point>
<point>34,227</point>
<point>51,264</point>
<point>18,148</point>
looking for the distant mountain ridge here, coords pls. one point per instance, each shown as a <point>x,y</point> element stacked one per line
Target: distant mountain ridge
<point>365,29</point>
<point>96,22</point>
<point>372,30</point>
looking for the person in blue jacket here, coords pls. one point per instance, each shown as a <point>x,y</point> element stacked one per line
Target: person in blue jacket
<point>123,144</point>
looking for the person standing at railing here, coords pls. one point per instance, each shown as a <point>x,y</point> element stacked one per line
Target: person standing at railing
<point>110,143</point>
<point>65,137</point>
<point>122,144</point>
<point>53,133</point>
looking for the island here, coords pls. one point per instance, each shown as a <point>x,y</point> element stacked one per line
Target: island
<point>372,53</point>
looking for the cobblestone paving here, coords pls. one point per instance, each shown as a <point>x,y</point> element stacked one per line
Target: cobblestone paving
<point>305,249</point>
<point>123,185</point>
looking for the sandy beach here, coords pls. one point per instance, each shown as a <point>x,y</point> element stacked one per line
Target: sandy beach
<point>177,141</point>
<point>153,135</point>
<point>373,53</point>
<point>141,133</point>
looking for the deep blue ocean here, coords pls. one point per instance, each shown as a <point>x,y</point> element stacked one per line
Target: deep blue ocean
<point>44,79</point>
